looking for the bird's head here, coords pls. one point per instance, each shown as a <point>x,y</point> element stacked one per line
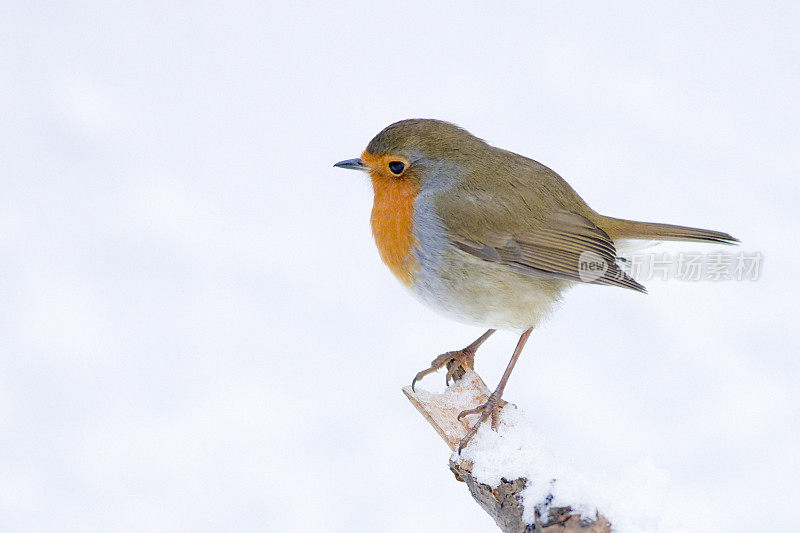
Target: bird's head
<point>420,152</point>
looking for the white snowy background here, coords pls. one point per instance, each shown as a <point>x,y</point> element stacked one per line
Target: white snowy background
<point>196,333</point>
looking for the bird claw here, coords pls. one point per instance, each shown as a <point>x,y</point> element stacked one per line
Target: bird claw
<point>455,360</point>
<point>489,409</point>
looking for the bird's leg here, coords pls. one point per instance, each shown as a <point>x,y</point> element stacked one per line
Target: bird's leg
<point>492,406</point>
<point>465,356</point>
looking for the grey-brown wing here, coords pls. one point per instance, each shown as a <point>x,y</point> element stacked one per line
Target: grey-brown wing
<point>566,246</point>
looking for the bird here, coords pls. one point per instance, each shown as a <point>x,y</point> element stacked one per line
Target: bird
<point>489,237</point>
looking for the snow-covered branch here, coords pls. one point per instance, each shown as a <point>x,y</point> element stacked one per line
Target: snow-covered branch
<point>509,472</point>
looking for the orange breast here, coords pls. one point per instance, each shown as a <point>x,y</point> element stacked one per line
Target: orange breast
<point>392,221</point>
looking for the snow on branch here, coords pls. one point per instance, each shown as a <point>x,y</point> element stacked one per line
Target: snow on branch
<point>509,472</point>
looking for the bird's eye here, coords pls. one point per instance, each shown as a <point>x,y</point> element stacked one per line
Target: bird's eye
<point>396,167</point>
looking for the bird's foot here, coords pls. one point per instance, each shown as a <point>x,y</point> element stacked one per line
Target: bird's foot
<point>489,409</point>
<point>454,361</point>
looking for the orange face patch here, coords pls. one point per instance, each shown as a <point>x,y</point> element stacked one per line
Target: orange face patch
<point>393,216</point>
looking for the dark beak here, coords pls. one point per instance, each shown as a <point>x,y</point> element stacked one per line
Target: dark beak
<point>355,164</point>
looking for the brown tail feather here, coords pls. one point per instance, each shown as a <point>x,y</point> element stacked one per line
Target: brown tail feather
<point>629,229</point>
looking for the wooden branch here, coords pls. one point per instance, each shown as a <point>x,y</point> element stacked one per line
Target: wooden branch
<point>503,503</point>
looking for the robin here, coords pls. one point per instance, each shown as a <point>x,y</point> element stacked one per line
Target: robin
<point>488,236</point>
